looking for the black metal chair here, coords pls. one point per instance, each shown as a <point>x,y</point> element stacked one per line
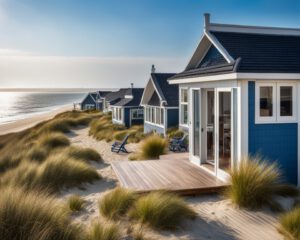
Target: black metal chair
<point>178,144</point>
<point>120,146</point>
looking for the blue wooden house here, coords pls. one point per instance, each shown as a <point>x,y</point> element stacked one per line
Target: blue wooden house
<point>89,102</point>
<point>243,90</point>
<point>160,102</point>
<point>126,109</point>
<point>112,98</point>
<point>100,99</point>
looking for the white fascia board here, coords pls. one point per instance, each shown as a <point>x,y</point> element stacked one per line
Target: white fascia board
<point>239,76</point>
<point>219,46</point>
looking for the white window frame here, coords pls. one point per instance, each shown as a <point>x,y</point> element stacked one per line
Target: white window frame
<point>181,118</point>
<point>276,118</point>
<point>137,110</point>
<point>117,114</point>
<point>148,118</point>
<point>292,118</point>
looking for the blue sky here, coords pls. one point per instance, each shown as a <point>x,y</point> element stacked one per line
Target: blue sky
<point>81,43</point>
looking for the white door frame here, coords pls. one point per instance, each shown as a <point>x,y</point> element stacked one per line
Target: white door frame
<point>194,159</point>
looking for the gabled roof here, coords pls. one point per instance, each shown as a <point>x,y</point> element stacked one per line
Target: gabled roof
<point>115,96</point>
<point>244,49</point>
<point>136,94</point>
<point>166,92</point>
<point>93,96</point>
<point>102,94</point>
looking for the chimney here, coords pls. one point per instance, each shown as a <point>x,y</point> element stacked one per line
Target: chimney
<point>131,85</point>
<point>206,21</point>
<point>153,69</point>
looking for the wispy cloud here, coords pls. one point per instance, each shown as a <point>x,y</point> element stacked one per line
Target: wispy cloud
<point>14,52</point>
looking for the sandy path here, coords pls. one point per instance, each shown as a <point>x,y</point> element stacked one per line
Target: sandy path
<point>23,124</point>
<point>218,219</point>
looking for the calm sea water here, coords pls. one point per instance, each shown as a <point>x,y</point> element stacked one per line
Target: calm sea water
<point>20,105</point>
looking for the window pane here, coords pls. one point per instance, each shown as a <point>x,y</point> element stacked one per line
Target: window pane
<point>152,115</point>
<point>184,95</point>
<point>157,116</point>
<point>286,101</point>
<point>185,114</point>
<point>266,101</point>
<point>162,116</point>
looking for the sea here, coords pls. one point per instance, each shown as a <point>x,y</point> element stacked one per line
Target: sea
<point>20,105</point>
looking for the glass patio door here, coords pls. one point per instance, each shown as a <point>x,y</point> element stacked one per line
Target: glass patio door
<point>196,130</point>
<point>223,140</point>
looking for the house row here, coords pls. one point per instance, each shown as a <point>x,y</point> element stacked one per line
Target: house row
<point>238,96</point>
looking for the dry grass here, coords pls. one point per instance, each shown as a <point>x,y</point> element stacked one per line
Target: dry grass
<point>33,215</point>
<point>255,183</point>
<point>116,203</point>
<point>83,154</point>
<point>161,210</point>
<point>104,129</point>
<point>151,148</point>
<point>174,132</point>
<point>289,224</point>
<point>53,140</point>
<point>75,203</point>
<point>104,231</point>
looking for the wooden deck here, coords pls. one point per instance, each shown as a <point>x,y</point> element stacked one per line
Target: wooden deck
<point>174,175</point>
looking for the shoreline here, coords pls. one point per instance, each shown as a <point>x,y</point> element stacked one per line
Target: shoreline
<point>25,123</point>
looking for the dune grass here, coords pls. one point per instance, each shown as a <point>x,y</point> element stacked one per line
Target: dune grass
<point>83,154</point>
<point>53,140</point>
<point>103,129</point>
<point>161,210</point>
<point>255,183</point>
<point>75,203</point>
<point>151,148</point>
<point>289,224</point>
<point>32,215</point>
<point>116,203</point>
<point>174,132</point>
<point>104,231</point>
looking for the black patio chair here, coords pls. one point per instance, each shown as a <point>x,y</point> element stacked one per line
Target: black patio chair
<point>178,144</point>
<point>120,146</point>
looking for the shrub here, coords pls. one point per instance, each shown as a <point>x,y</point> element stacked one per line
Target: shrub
<point>116,203</point>
<point>33,215</point>
<point>104,231</point>
<point>174,132</point>
<point>87,154</point>
<point>161,210</point>
<point>255,183</point>
<point>53,140</point>
<point>75,203</point>
<point>289,224</point>
<point>152,147</point>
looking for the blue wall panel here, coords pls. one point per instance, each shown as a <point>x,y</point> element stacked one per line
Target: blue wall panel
<point>277,142</point>
<point>173,118</point>
<point>127,117</point>
<point>88,100</point>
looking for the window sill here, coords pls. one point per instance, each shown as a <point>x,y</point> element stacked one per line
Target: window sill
<point>155,124</point>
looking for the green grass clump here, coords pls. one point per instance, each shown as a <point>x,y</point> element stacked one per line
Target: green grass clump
<point>161,210</point>
<point>75,203</point>
<point>174,132</point>
<point>53,140</point>
<point>31,215</point>
<point>152,147</point>
<point>104,231</point>
<point>289,224</point>
<point>255,183</point>
<point>103,129</point>
<point>116,203</point>
<point>55,173</point>
<point>86,154</point>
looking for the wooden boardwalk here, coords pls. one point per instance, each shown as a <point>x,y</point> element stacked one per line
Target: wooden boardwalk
<point>178,176</point>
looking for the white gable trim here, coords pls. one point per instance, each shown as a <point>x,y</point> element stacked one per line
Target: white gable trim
<point>219,46</point>
<point>87,97</point>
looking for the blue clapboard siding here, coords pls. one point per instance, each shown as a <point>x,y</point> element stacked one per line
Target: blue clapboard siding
<point>276,142</point>
<point>173,118</point>
<point>153,128</point>
<point>127,117</point>
<point>88,100</point>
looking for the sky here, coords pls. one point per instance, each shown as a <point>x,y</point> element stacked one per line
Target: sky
<point>111,43</point>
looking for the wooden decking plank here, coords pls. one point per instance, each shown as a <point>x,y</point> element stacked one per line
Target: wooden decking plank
<point>175,175</point>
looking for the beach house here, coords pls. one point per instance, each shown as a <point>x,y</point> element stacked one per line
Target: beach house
<point>89,102</point>
<point>100,99</point>
<point>127,110</point>
<point>111,98</point>
<point>243,90</point>
<point>160,103</point>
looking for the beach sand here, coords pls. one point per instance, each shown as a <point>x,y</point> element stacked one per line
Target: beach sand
<point>218,218</point>
<point>25,123</point>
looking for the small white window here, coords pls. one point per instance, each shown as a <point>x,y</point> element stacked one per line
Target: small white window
<point>183,106</point>
<point>137,113</point>
<point>275,102</point>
